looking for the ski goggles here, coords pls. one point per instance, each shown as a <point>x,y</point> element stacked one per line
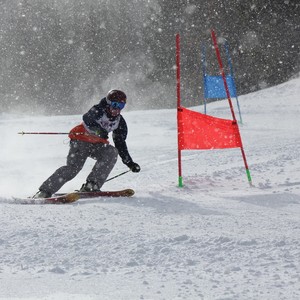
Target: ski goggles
<point>116,105</point>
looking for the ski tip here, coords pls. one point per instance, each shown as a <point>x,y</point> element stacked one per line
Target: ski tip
<point>130,192</point>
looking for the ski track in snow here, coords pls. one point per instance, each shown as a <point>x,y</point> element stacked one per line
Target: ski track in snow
<point>215,238</point>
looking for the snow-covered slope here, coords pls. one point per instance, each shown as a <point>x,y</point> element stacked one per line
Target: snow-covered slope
<point>215,238</point>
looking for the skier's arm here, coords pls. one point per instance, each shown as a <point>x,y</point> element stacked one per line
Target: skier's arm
<point>119,138</point>
<point>121,145</point>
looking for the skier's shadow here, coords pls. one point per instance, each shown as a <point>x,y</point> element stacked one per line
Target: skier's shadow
<point>160,203</point>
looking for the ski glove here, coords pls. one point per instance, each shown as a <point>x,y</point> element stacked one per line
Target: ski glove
<point>134,167</point>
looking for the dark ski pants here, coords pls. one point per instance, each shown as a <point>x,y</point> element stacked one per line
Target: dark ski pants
<point>104,154</point>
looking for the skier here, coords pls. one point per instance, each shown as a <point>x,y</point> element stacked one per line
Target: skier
<point>90,139</point>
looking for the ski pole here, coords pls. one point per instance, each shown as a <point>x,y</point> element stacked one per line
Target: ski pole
<point>117,175</point>
<point>22,132</point>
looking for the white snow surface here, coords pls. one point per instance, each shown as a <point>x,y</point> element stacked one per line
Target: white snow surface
<point>215,238</point>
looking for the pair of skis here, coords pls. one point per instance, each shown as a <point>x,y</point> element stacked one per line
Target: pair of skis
<point>74,196</point>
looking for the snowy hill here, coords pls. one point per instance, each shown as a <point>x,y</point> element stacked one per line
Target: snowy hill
<point>215,238</point>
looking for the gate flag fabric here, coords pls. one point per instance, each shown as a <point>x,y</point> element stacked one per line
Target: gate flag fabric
<point>200,131</point>
<point>214,86</point>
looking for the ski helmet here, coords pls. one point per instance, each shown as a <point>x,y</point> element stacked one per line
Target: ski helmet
<point>116,96</point>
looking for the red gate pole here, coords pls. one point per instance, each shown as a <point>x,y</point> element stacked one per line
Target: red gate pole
<point>213,35</point>
<point>222,72</point>
<point>180,184</point>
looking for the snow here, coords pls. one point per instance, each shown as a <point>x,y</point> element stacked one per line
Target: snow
<point>215,238</point>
